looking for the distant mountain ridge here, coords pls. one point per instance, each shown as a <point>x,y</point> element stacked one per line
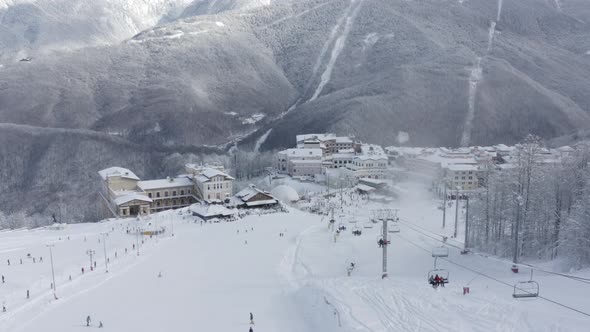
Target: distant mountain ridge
<point>220,73</point>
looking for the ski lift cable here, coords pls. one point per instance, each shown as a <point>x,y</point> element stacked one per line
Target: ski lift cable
<point>572,277</point>
<point>497,280</point>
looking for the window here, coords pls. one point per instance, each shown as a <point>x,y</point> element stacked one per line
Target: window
<point>158,194</point>
<point>471,177</point>
<point>182,192</point>
<point>150,195</point>
<point>165,194</point>
<point>462,178</point>
<point>174,202</point>
<point>208,187</point>
<point>189,191</point>
<point>158,203</point>
<point>174,193</point>
<point>124,212</point>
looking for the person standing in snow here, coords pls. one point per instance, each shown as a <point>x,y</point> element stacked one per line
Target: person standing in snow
<point>250,330</point>
<point>251,319</point>
<point>100,324</point>
<point>88,320</point>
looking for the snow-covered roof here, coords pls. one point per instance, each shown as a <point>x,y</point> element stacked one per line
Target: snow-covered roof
<point>364,187</point>
<point>343,139</point>
<point>265,202</point>
<point>321,137</point>
<point>285,193</point>
<point>164,183</point>
<point>208,174</point>
<point>462,167</point>
<point>249,192</point>
<point>117,171</point>
<point>131,197</point>
<point>374,181</point>
<point>302,152</point>
<point>211,210</point>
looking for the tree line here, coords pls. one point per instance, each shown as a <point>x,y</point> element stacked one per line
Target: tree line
<point>535,209</point>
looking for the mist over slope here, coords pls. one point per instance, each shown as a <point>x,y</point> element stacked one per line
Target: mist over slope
<point>161,74</point>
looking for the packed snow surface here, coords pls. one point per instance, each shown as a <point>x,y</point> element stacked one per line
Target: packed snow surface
<point>210,276</point>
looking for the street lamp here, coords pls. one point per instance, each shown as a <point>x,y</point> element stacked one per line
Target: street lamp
<point>104,242</point>
<point>456,211</point>
<point>52,269</point>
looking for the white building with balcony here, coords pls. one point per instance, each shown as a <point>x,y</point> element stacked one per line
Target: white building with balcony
<point>213,185</point>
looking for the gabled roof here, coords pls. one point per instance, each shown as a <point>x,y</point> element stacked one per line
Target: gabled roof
<point>131,197</point>
<point>117,171</point>
<point>247,193</point>
<point>209,173</point>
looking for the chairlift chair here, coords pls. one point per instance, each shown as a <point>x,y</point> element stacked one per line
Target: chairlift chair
<point>440,252</point>
<point>394,228</point>
<point>444,274</point>
<point>356,231</point>
<point>387,240</point>
<point>526,289</point>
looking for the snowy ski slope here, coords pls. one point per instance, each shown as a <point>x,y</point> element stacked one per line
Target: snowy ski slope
<point>214,275</point>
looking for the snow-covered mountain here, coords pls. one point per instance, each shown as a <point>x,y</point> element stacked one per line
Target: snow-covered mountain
<point>28,27</point>
<point>175,74</point>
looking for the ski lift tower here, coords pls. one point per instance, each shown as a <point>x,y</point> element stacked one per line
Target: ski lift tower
<point>385,215</point>
<point>332,219</point>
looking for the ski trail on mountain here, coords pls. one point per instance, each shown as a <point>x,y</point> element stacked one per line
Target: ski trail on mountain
<point>475,76</point>
<point>334,38</point>
<point>337,49</point>
<point>337,33</point>
<point>261,140</point>
<point>289,17</point>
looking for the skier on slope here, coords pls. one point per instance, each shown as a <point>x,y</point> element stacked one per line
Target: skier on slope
<point>88,320</point>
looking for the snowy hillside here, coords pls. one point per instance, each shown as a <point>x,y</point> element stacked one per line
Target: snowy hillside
<point>211,276</point>
<point>30,27</point>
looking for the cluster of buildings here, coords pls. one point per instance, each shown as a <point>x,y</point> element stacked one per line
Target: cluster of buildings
<point>315,153</point>
<point>125,194</point>
<point>464,168</point>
